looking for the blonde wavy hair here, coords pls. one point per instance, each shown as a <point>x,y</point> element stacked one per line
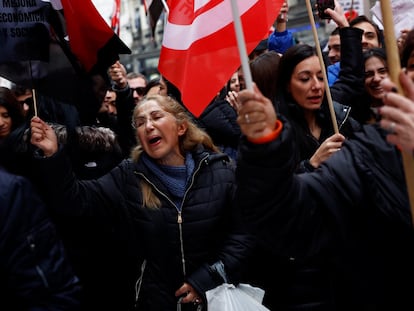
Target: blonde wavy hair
<point>193,137</point>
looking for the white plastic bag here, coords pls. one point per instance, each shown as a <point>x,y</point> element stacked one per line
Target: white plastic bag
<point>228,297</point>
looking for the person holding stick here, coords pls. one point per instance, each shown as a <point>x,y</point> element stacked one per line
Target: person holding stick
<point>303,101</point>
<point>353,210</point>
<point>170,208</point>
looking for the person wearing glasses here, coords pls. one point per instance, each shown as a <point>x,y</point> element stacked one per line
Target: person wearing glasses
<point>137,83</point>
<point>131,84</point>
<point>170,206</point>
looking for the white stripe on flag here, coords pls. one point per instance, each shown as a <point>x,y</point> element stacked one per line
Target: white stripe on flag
<point>212,21</point>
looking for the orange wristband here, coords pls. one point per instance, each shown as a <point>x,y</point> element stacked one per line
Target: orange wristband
<point>269,137</point>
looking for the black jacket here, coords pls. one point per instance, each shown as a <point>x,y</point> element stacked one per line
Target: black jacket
<point>125,105</point>
<point>345,93</point>
<point>34,271</point>
<point>219,119</point>
<point>353,210</point>
<point>210,227</point>
<point>349,87</point>
<point>306,143</point>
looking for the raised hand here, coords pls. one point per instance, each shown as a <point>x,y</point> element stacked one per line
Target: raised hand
<point>117,73</point>
<point>43,137</point>
<point>257,116</point>
<point>398,113</point>
<point>338,15</point>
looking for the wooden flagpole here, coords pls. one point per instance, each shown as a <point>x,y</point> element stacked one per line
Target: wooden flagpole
<point>325,78</point>
<point>34,102</point>
<point>394,67</point>
<point>33,90</point>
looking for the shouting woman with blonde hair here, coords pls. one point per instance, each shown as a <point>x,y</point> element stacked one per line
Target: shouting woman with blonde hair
<point>171,206</point>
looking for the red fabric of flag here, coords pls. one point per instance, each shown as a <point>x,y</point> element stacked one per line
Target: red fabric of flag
<point>200,53</point>
<point>91,39</point>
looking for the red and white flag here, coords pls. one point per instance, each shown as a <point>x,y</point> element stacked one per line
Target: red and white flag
<point>200,53</point>
<point>115,18</point>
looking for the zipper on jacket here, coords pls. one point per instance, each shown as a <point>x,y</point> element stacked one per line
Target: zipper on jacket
<point>179,210</point>
<point>138,283</point>
<point>347,113</point>
<point>180,220</point>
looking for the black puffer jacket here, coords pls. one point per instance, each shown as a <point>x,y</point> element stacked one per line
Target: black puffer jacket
<point>210,227</point>
<point>35,273</point>
<point>219,120</point>
<point>353,210</point>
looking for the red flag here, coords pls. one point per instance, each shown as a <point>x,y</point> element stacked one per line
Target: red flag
<point>115,18</point>
<point>90,37</point>
<point>199,52</point>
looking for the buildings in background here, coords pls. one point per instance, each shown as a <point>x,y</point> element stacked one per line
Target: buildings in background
<point>135,31</point>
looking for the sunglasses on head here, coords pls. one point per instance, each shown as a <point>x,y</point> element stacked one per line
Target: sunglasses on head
<point>140,90</point>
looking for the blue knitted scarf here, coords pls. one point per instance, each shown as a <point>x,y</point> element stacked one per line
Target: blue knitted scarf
<point>174,178</point>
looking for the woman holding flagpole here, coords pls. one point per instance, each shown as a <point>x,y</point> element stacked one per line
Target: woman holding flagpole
<point>302,99</point>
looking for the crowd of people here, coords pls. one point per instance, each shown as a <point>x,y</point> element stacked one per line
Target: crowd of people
<point>136,204</point>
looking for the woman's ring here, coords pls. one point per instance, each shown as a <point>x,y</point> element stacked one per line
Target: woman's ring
<point>391,128</point>
<point>246,117</point>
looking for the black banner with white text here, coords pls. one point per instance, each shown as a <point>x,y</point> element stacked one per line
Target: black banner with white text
<point>24,30</point>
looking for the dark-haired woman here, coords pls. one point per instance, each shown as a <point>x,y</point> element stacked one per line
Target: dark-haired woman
<point>11,113</point>
<point>302,100</point>
<point>13,149</point>
<point>376,70</point>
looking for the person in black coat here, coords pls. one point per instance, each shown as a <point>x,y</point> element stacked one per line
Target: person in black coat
<point>354,209</point>
<point>302,100</point>
<point>93,152</point>
<point>170,206</point>
<point>219,121</point>
<point>35,273</point>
